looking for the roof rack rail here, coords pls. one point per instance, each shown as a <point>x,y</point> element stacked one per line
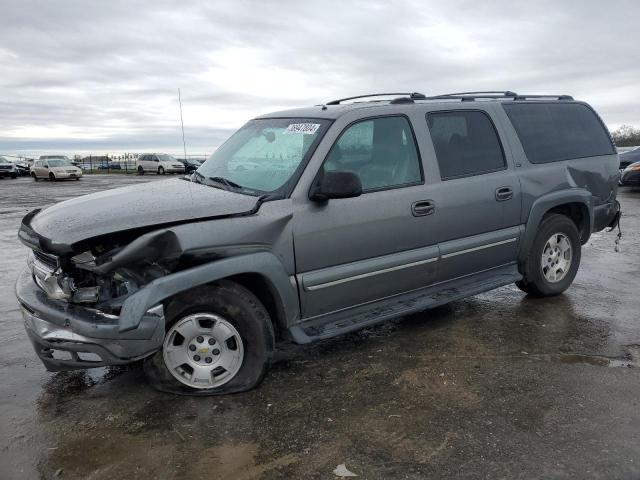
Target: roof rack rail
<point>497,93</point>
<point>494,94</point>
<point>411,96</point>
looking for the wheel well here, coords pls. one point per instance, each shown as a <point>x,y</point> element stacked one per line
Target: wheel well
<point>268,296</point>
<point>579,213</point>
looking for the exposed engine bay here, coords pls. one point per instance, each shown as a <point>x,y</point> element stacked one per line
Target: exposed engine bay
<point>108,272</point>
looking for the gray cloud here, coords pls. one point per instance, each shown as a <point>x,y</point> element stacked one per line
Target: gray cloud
<point>82,76</point>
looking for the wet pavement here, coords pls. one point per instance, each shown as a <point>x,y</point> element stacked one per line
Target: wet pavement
<point>496,386</point>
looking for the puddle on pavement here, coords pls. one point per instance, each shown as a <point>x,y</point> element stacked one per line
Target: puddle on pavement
<point>597,361</point>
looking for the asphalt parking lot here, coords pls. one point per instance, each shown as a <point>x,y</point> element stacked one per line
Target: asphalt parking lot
<point>495,386</point>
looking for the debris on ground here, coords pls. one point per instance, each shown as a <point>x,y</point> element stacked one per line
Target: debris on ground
<point>342,471</point>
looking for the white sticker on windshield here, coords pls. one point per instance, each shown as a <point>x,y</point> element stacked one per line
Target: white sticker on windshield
<point>306,128</point>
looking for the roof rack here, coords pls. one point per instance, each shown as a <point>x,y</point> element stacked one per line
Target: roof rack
<point>494,94</point>
<point>405,97</point>
<point>411,96</point>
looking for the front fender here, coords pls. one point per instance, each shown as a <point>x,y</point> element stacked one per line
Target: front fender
<point>263,263</point>
<point>545,203</point>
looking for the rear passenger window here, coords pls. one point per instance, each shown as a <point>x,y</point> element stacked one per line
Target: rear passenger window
<point>466,143</point>
<point>551,132</point>
<point>382,151</point>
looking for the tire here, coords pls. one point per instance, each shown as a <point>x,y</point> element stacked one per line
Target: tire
<point>77,178</point>
<point>226,301</point>
<point>52,177</point>
<point>35,177</point>
<point>14,176</point>
<point>140,171</point>
<point>161,171</point>
<point>539,281</point>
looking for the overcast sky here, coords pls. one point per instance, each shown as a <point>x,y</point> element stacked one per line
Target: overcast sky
<point>80,76</point>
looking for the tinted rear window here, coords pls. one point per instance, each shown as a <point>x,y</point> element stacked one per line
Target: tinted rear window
<point>466,143</point>
<point>551,132</point>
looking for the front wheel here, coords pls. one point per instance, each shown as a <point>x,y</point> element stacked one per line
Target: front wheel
<point>160,171</point>
<point>35,177</point>
<point>219,340</point>
<point>553,259</point>
<point>52,177</point>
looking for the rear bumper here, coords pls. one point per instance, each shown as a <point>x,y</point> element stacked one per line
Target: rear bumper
<point>69,337</point>
<point>606,215</point>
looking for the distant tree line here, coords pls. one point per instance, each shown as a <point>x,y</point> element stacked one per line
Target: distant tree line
<point>626,136</point>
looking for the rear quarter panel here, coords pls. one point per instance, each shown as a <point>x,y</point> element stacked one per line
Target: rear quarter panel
<point>597,175</point>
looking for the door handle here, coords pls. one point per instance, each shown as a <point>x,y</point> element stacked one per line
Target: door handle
<point>504,193</point>
<point>422,208</point>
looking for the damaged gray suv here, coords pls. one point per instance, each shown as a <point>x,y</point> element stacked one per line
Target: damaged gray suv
<point>313,222</point>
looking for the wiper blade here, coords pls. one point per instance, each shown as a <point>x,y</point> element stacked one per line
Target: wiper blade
<point>197,175</point>
<point>225,181</point>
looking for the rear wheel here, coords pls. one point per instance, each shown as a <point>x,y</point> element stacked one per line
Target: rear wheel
<point>140,171</point>
<point>219,340</point>
<point>553,259</point>
<point>160,171</point>
<point>35,177</point>
<point>52,177</point>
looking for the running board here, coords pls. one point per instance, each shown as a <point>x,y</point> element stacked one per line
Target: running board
<point>344,321</point>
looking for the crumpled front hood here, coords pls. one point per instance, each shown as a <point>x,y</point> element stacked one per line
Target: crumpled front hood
<point>136,206</point>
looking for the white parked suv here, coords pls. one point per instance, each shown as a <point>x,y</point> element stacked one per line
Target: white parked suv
<point>159,163</point>
<point>54,168</point>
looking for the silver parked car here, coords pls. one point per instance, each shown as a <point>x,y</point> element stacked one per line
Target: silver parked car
<point>313,222</point>
<point>54,168</point>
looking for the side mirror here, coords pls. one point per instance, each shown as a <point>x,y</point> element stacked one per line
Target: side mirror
<point>46,166</point>
<point>338,184</point>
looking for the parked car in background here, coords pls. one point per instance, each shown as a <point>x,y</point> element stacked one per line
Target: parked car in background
<point>54,169</point>
<point>358,213</point>
<point>110,166</point>
<point>627,158</point>
<point>22,167</point>
<point>7,168</point>
<point>159,163</point>
<point>630,176</point>
<point>190,165</point>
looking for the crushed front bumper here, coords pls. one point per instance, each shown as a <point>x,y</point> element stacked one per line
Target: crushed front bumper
<point>69,337</point>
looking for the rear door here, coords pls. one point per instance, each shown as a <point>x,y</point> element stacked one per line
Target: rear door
<point>357,250</point>
<point>478,198</point>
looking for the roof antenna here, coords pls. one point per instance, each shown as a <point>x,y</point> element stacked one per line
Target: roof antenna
<point>184,145</point>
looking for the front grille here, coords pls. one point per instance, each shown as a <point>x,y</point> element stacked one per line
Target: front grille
<point>5,167</point>
<point>50,261</point>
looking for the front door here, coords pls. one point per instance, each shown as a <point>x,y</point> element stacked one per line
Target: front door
<point>478,199</point>
<point>358,250</point>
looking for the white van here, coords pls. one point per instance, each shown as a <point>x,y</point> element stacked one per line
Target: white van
<point>54,168</point>
<point>159,163</point>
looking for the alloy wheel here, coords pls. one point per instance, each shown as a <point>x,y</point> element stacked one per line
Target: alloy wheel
<point>203,350</point>
<point>556,257</point>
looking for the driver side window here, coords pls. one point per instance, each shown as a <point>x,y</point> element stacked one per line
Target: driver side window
<point>381,151</point>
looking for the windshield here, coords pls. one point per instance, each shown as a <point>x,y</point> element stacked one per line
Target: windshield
<point>58,162</point>
<point>4,160</point>
<point>163,157</point>
<point>264,154</point>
